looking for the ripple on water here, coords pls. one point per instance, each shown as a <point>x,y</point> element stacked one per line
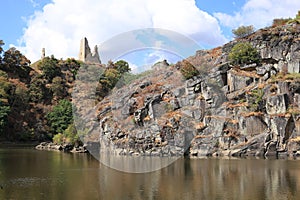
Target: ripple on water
<point>25,182</point>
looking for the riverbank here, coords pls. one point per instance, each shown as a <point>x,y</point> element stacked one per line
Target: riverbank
<point>50,146</point>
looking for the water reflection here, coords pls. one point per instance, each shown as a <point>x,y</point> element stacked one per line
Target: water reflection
<point>207,179</point>
<point>136,164</point>
<point>30,174</point>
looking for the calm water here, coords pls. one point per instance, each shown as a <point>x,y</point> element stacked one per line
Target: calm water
<point>30,174</point>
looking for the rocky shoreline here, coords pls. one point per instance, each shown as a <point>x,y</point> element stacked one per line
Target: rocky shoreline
<point>50,146</point>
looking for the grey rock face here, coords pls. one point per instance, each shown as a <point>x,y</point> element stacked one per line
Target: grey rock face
<point>250,110</point>
<point>277,104</point>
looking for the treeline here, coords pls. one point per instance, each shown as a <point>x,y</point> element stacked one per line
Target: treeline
<point>35,99</point>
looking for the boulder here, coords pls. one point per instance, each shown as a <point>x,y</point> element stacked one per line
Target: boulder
<point>249,67</point>
<point>253,125</point>
<point>277,104</point>
<point>237,82</point>
<point>294,66</point>
<point>262,70</point>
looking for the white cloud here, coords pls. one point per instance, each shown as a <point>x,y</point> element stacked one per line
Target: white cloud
<point>61,24</point>
<point>134,68</point>
<point>34,3</point>
<point>260,13</point>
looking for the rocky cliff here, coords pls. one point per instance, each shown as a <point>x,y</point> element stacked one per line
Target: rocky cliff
<point>226,110</point>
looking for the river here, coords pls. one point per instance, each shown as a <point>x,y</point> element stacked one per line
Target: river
<point>30,174</point>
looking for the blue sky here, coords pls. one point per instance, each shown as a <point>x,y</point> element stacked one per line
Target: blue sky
<point>58,25</point>
<point>14,15</point>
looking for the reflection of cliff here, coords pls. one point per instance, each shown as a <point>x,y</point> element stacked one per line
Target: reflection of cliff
<point>85,53</point>
<point>207,179</point>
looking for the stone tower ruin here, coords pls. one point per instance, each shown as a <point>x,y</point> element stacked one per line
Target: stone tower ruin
<point>85,53</point>
<point>43,53</point>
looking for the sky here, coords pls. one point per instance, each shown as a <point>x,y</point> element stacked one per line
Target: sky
<point>59,25</point>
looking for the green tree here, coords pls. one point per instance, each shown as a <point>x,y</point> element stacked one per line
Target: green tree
<point>243,53</point>
<point>37,89</point>
<point>111,77</point>
<point>14,61</point>
<point>61,116</point>
<point>73,65</point>
<point>50,68</point>
<point>122,66</point>
<point>243,31</point>
<point>58,138</point>
<point>20,97</point>
<point>57,87</point>
<point>5,88</point>
<point>71,135</point>
<point>4,111</point>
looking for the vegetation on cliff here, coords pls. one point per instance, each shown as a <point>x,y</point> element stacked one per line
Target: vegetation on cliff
<point>243,53</point>
<point>243,31</point>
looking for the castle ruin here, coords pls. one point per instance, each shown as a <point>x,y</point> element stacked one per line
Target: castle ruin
<point>43,53</point>
<point>85,53</point>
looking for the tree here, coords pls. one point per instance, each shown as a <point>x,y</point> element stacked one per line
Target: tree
<point>37,89</point>
<point>243,31</point>
<point>122,66</point>
<point>14,61</point>
<point>20,97</point>
<point>57,87</point>
<point>71,135</point>
<point>73,65</point>
<point>243,53</point>
<point>4,111</point>
<point>5,87</point>
<point>49,67</point>
<point>61,116</point>
<point>107,82</point>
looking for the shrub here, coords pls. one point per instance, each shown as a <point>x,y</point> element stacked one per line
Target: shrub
<point>58,138</point>
<point>280,22</point>
<point>243,31</point>
<point>61,116</point>
<point>49,67</point>
<point>255,99</point>
<point>71,135</point>
<point>122,66</point>
<point>188,70</point>
<point>243,53</point>
<point>296,19</point>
